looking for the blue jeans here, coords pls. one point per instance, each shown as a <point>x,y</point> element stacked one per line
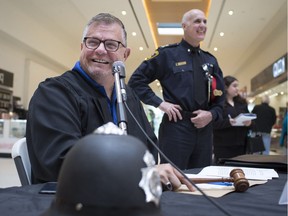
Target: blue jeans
<point>266,137</point>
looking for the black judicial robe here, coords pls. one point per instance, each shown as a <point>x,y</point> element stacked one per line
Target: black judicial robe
<point>62,110</point>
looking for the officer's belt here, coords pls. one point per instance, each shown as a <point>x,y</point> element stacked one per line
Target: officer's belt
<point>187,114</point>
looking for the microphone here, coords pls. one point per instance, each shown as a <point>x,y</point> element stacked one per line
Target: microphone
<point>118,70</point>
<point>118,66</point>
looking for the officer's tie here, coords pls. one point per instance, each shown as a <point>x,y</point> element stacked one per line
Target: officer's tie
<point>199,77</point>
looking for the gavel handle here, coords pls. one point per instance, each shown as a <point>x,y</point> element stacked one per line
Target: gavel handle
<point>207,180</point>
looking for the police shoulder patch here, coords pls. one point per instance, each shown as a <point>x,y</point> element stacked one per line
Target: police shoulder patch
<point>156,53</point>
<point>169,45</point>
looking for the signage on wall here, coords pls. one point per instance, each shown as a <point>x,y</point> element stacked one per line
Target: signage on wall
<point>273,74</point>
<point>279,67</point>
<point>6,78</point>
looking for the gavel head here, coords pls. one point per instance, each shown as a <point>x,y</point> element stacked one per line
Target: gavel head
<point>241,184</point>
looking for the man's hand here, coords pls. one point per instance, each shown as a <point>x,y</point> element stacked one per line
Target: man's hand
<point>172,110</point>
<point>169,175</point>
<point>202,119</point>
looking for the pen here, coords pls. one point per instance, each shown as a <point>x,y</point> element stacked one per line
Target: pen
<point>222,183</point>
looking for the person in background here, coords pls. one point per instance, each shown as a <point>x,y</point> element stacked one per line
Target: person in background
<point>66,108</point>
<point>185,72</point>
<point>228,140</point>
<point>283,136</point>
<point>266,118</point>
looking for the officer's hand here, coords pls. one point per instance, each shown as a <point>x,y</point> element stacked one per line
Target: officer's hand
<point>202,119</point>
<point>170,177</point>
<point>172,110</point>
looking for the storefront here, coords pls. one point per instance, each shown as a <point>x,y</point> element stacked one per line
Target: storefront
<point>272,82</point>
<point>11,127</point>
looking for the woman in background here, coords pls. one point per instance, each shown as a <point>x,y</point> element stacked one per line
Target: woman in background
<point>228,140</point>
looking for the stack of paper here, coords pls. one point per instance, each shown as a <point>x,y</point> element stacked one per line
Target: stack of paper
<point>243,117</point>
<point>250,173</point>
<point>255,176</point>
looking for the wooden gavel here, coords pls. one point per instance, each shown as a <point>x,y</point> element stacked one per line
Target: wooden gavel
<point>237,176</point>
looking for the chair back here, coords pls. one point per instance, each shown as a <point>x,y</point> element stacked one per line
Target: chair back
<point>22,162</point>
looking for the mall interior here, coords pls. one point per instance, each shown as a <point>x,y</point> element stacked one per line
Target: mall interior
<point>41,39</point>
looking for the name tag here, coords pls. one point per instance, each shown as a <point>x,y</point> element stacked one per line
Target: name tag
<point>181,63</point>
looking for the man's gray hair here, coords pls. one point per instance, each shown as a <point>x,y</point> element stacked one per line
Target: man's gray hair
<point>265,99</point>
<point>106,18</point>
<point>188,15</point>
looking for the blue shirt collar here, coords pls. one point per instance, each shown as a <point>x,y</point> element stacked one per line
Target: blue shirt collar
<point>111,104</point>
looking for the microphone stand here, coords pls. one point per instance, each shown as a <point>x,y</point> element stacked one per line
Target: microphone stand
<point>120,91</point>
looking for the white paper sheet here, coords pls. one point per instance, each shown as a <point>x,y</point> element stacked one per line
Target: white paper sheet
<point>243,117</point>
<point>250,173</point>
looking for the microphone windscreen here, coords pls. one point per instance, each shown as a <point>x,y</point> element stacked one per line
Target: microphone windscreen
<point>118,63</point>
<point>119,67</point>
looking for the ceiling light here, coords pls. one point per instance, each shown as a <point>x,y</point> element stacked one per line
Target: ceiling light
<point>134,34</point>
<point>124,13</point>
<point>215,49</point>
<point>170,29</point>
<point>221,34</point>
<point>141,48</point>
<point>231,12</point>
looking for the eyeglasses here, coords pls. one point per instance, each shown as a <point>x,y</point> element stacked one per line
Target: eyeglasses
<point>94,43</point>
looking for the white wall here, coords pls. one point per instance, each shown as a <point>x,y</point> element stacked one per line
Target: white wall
<point>36,73</point>
<point>24,28</point>
<point>28,67</point>
<point>266,53</point>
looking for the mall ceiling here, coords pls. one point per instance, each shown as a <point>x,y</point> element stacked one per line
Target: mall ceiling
<point>243,31</point>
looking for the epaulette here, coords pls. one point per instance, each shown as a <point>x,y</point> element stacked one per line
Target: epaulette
<point>168,45</point>
<point>156,53</point>
<point>204,51</point>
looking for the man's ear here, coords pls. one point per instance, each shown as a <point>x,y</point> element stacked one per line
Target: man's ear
<point>127,53</point>
<point>183,26</point>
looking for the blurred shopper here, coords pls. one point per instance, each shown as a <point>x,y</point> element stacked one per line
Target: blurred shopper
<point>283,137</point>
<point>266,118</point>
<point>229,140</point>
<point>185,72</point>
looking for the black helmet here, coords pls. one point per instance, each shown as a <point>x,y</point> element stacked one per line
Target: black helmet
<point>107,174</point>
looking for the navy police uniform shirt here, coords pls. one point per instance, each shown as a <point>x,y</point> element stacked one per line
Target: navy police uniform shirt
<point>174,67</point>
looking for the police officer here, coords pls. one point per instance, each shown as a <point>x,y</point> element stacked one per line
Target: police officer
<point>192,84</point>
